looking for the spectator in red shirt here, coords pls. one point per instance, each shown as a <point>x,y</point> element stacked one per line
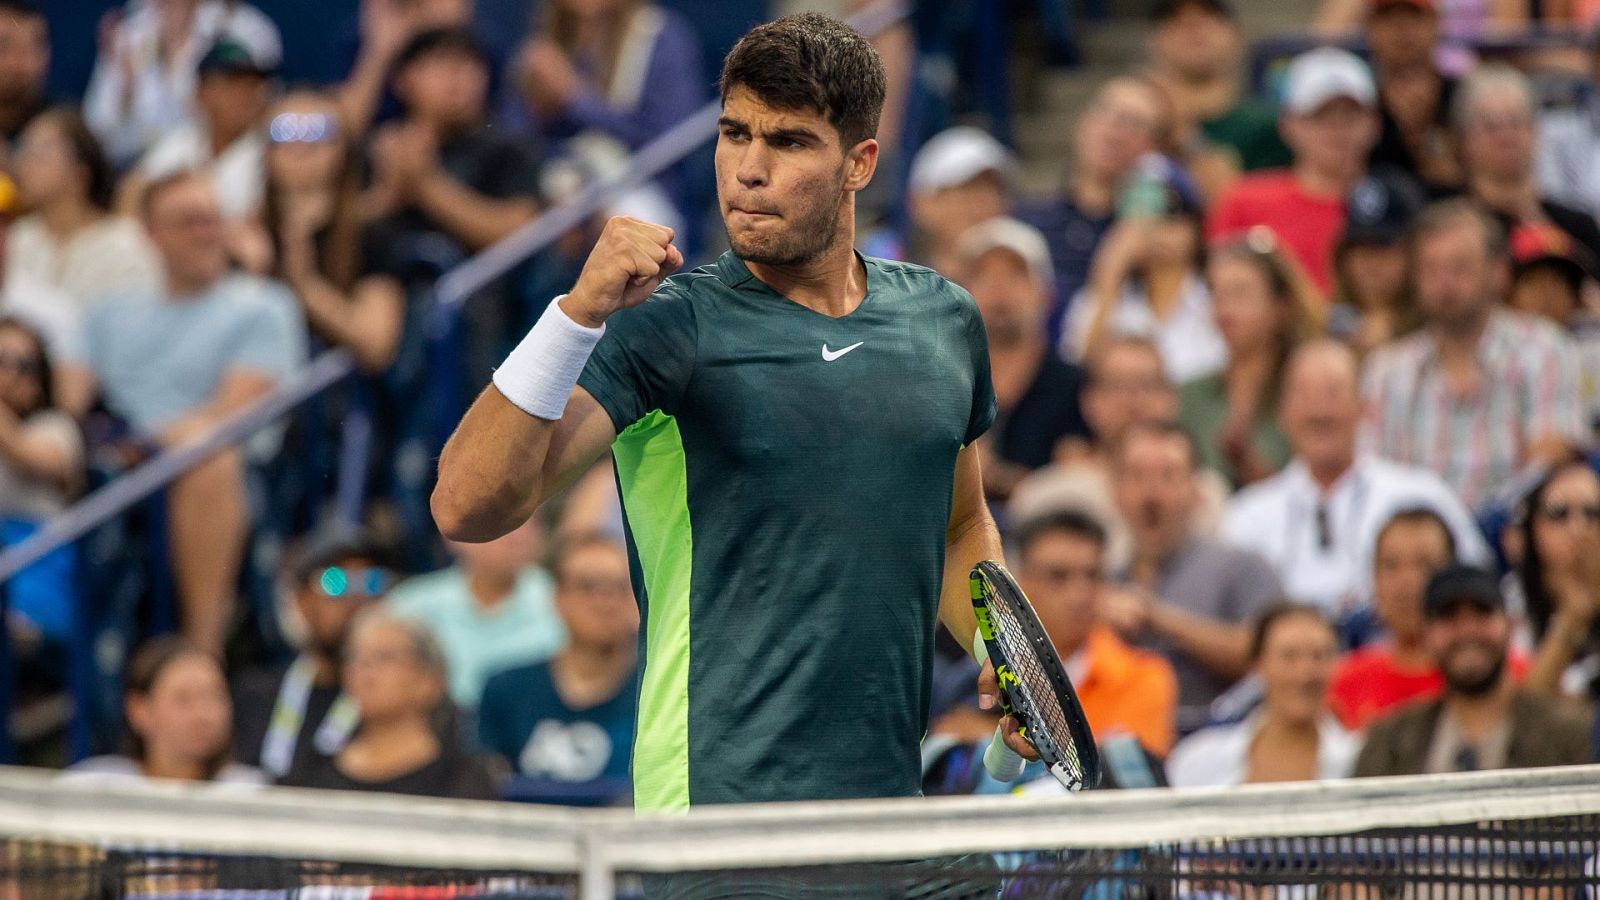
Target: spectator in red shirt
<point>1330,122</point>
<point>1374,679</point>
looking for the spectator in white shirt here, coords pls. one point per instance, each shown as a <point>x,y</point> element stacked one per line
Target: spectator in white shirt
<point>224,140</point>
<point>144,79</point>
<point>1317,520</point>
<point>1292,736</point>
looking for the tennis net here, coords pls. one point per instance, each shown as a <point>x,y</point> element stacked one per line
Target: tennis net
<point>1529,834</point>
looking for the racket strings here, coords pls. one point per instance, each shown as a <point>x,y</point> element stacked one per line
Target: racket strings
<point>1024,659</point>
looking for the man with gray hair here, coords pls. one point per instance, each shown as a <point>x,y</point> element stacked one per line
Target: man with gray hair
<point>1480,391</point>
<point>1569,144</point>
<point>1495,117</point>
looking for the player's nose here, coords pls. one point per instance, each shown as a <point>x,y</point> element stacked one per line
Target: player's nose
<point>753,168</point>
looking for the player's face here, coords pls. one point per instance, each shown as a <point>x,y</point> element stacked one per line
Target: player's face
<point>1061,575</point>
<point>1296,664</point>
<point>1407,555</point>
<point>784,181</point>
<point>595,597</point>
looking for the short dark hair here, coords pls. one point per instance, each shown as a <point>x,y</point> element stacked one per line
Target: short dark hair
<point>448,40</point>
<point>811,62</point>
<point>145,668</point>
<point>1278,612</point>
<point>100,183</point>
<point>1168,430</point>
<point>46,373</point>
<point>1064,521</point>
<point>1419,515</point>
<point>1443,215</point>
<point>321,551</point>
<point>21,9</point>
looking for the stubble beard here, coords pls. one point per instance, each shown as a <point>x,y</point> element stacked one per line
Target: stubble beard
<point>807,238</point>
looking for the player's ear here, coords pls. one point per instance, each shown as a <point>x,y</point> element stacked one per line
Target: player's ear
<point>860,162</point>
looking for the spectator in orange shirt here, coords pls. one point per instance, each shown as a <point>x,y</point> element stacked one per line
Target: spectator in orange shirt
<point>1061,566</point>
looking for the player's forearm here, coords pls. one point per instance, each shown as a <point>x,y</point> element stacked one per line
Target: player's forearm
<point>967,544</point>
<point>491,470</point>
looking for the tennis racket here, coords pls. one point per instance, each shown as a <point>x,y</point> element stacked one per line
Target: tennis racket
<point>1033,685</point>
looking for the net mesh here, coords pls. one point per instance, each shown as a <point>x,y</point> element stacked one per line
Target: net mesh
<point>1488,835</point>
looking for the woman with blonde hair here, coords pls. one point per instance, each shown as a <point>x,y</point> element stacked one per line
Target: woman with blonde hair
<point>1264,307</point>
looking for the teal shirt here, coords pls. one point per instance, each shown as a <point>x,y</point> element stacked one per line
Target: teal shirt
<point>786,481</point>
<point>523,629</point>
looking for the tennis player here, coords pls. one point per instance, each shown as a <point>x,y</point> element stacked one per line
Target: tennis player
<point>792,428</point>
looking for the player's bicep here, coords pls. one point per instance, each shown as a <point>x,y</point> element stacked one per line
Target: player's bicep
<point>584,433</point>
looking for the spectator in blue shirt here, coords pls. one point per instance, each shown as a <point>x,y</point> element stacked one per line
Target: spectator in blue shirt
<point>175,362</point>
<point>489,611</point>
<point>566,725</point>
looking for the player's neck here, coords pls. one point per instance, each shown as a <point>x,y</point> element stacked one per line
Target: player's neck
<point>832,283</point>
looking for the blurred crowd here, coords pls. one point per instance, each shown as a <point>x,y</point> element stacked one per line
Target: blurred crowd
<point>1298,376</point>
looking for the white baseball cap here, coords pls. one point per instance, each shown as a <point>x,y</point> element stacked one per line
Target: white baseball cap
<point>1327,73</point>
<point>957,155</point>
<point>1006,233</point>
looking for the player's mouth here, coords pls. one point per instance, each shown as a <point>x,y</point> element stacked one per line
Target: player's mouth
<point>756,214</point>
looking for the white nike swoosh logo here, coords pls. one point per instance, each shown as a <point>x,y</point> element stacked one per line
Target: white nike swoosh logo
<point>831,355</point>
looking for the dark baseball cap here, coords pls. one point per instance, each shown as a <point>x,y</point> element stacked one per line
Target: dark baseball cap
<point>1457,584</point>
<point>233,56</point>
<point>1379,209</point>
<point>1165,10</point>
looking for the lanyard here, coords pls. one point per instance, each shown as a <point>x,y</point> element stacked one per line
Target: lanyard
<point>1343,536</point>
<point>289,715</point>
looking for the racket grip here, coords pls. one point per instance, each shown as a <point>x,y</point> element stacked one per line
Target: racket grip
<point>1001,761</point>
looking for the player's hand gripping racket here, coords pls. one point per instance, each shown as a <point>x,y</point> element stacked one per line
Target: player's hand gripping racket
<point>1033,685</point>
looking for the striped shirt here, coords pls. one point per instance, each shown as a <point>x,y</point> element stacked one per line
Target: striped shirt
<point>1527,389</point>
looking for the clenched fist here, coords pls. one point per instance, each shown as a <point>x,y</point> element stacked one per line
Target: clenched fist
<point>627,263</point>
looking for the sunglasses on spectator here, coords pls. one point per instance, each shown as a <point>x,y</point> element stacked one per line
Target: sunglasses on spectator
<point>339,582</point>
<point>302,128</point>
<point>1560,512</point>
<point>24,364</point>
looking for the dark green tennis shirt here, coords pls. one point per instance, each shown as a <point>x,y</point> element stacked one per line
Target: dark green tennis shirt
<point>786,482</point>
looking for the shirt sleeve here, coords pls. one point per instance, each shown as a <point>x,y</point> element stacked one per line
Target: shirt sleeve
<point>645,359</point>
<point>1255,587</point>
<point>983,408</point>
<point>274,342</point>
<point>1551,404</point>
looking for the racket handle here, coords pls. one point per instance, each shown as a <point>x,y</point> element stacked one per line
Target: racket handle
<point>1001,761</point>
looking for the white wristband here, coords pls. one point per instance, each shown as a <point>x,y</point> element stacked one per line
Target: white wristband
<point>541,372</point>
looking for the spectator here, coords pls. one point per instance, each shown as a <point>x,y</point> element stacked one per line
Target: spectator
<point>447,186</point>
<point>41,450</point>
<point>1197,49</point>
<point>72,241</point>
<point>959,179</point>
<point>176,721</point>
<point>1550,275</point>
<point>569,720</point>
<point>314,231</point>
<point>1460,22</point>
<point>1123,689</point>
<point>1329,120</point>
<point>287,714</point>
<point>1189,597</point>
<point>1146,279</point>
<point>143,84</point>
<point>24,68</point>
<point>1569,143</point>
<point>490,611</point>
<point>1414,95</point>
<point>626,70</point>
<point>1006,266</point>
<point>1480,391</point>
<point>1495,114</point>
<point>394,672</point>
<point>1372,294</point>
<point>1317,520</point>
<point>1292,736</point>
<point>1483,721</point>
<point>224,139</point>
<point>1125,120</point>
<point>1375,679</point>
<point>385,29</point>
<point>1264,308</point>
<point>1558,581</point>
<point>174,363</point>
